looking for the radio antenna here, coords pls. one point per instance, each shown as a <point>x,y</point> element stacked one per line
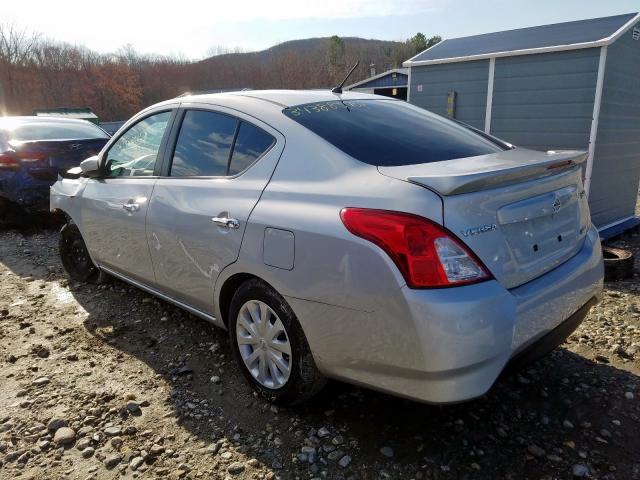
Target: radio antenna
<point>338,89</point>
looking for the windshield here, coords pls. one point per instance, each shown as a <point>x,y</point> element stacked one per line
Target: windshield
<point>390,132</point>
<point>26,132</point>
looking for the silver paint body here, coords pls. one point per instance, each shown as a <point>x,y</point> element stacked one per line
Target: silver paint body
<point>363,324</point>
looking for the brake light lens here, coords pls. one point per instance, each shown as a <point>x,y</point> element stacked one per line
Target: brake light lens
<point>31,157</point>
<point>427,254</point>
<point>8,162</point>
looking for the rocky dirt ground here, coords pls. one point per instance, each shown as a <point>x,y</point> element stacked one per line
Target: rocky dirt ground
<point>107,382</point>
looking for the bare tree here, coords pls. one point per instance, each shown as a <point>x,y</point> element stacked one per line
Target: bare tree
<point>16,48</point>
<point>38,72</point>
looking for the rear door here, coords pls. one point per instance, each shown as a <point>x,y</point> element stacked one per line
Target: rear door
<point>215,175</point>
<point>114,206</point>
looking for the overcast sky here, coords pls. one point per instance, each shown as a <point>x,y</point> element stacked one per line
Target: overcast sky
<point>192,27</point>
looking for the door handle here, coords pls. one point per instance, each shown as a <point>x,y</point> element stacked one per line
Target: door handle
<point>131,207</point>
<point>226,222</point>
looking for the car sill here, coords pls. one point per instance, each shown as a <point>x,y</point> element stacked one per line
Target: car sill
<point>184,306</point>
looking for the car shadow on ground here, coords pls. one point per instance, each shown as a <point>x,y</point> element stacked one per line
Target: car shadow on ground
<point>521,411</point>
<point>518,429</point>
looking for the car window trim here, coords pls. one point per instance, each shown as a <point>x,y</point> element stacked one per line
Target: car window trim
<point>161,150</point>
<point>233,146</point>
<point>173,141</point>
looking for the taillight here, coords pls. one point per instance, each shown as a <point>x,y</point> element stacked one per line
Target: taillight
<point>31,157</point>
<point>8,162</point>
<point>427,254</point>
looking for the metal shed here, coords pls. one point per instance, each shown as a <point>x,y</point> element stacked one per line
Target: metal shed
<point>573,85</point>
<point>392,83</point>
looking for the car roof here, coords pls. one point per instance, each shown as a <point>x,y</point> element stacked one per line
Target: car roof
<point>6,121</point>
<point>283,98</point>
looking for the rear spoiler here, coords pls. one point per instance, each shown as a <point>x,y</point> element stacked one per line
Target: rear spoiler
<point>465,175</point>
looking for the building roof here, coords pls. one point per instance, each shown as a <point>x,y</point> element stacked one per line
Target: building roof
<point>401,71</point>
<point>589,33</point>
<point>81,113</point>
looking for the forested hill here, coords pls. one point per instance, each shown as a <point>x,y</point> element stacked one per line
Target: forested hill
<point>308,63</point>
<point>38,73</point>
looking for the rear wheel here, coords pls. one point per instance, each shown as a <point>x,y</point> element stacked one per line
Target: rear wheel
<point>75,256</point>
<point>270,347</point>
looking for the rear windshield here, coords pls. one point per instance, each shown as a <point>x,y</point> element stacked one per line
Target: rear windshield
<point>390,132</point>
<point>25,132</point>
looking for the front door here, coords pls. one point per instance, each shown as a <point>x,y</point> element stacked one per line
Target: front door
<point>115,206</point>
<point>198,212</point>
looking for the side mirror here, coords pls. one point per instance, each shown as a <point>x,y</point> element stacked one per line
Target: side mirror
<point>91,167</point>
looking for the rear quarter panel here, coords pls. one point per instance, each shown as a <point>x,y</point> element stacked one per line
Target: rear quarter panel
<point>311,184</point>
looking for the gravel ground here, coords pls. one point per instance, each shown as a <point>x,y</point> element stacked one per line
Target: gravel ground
<point>108,382</point>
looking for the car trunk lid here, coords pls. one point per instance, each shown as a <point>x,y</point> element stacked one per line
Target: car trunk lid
<point>53,157</point>
<point>522,212</point>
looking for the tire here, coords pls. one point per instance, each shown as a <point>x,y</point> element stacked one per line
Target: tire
<point>75,257</point>
<point>303,380</point>
<point>12,216</point>
<point>618,263</point>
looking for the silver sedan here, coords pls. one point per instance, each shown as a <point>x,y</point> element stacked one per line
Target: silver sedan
<point>341,236</point>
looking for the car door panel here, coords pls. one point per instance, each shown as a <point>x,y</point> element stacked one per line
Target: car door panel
<point>114,207</point>
<point>188,249</point>
<point>113,218</point>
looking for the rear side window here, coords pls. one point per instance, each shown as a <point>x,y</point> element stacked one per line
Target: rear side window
<point>251,143</point>
<point>214,144</point>
<point>204,144</point>
<point>55,131</point>
<point>389,132</point>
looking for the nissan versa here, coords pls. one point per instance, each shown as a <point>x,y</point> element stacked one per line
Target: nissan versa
<point>341,236</point>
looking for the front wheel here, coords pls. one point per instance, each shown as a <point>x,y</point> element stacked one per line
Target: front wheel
<point>75,257</point>
<point>270,346</point>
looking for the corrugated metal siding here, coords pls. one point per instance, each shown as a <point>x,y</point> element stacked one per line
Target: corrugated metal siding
<point>401,80</point>
<point>616,166</point>
<point>545,101</point>
<point>468,79</point>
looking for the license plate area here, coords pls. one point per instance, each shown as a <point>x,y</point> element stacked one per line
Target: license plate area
<point>543,230</point>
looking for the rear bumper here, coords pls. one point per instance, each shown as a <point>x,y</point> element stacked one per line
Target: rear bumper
<point>25,190</point>
<point>450,345</point>
<point>550,340</point>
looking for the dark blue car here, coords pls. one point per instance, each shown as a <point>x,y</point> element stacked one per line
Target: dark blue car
<point>33,151</point>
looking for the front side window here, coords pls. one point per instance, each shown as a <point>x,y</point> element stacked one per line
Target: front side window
<point>204,144</point>
<point>135,153</point>
<point>389,132</point>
